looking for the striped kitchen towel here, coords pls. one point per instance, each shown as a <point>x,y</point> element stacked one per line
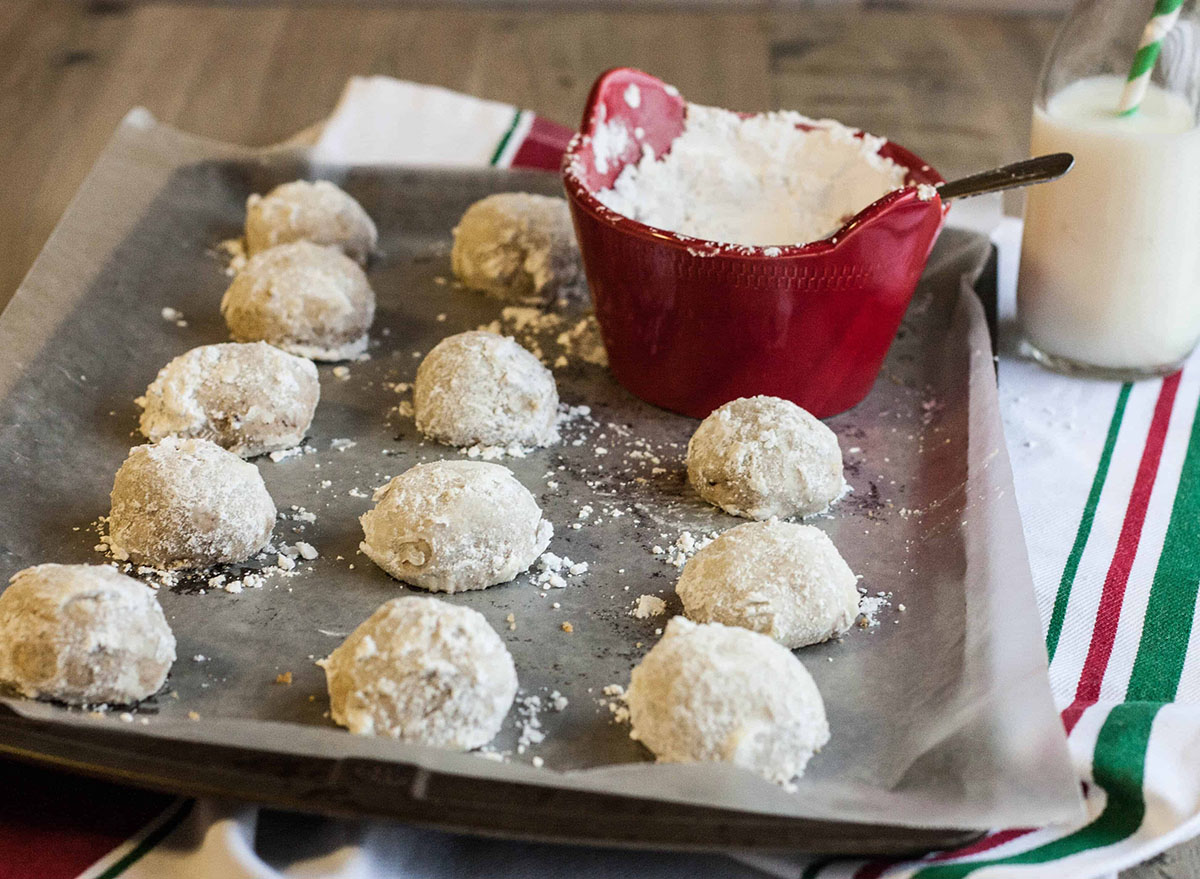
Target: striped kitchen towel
<point>385,121</point>
<point>1108,482</point>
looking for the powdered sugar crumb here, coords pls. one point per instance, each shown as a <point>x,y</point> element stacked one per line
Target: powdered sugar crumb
<point>614,700</point>
<point>174,316</point>
<point>684,547</point>
<point>870,606</point>
<point>233,250</point>
<point>529,722</point>
<point>648,606</point>
<point>495,453</point>
<point>553,571</point>
<point>283,454</point>
<point>552,337</point>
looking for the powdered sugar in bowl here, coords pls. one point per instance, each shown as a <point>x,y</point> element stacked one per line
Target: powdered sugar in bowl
<point>691,322</point>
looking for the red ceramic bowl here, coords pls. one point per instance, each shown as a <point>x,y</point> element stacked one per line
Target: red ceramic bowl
<point>690,324</point>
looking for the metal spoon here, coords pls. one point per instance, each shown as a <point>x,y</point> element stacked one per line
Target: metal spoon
<point>1037,170</point>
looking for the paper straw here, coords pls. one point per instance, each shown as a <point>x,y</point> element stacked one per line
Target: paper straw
<point>1166,13</point>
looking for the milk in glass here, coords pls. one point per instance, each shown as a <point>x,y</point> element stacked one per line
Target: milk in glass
<point>1110,264</point>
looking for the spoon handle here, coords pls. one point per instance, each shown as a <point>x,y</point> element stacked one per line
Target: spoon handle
<point>1029,171</point>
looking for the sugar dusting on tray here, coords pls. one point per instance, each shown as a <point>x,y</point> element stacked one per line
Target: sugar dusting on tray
<point>753,181</point>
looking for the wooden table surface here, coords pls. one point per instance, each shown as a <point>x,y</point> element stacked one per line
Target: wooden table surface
<point>954,88</point>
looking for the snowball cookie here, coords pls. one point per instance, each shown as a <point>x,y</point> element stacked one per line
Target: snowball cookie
<point>316,211</point>
<point>760,457</point>
<point>304,298</point>
<point>187,503</point>
<point>424,671</point>
<point>717,694</point>
<point>249,398</point>
<point>481,387</point>
<point>450,526</point>
<point>83,634</point>
<point>784,580</point>
<point>518,247</point>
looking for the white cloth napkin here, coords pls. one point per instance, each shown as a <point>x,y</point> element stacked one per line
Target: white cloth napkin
<point>384,121</point>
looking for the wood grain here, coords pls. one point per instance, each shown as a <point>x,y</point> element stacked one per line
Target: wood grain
<point>955,88</point>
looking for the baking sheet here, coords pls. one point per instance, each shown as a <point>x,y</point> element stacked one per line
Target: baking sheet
<point>941,714</point>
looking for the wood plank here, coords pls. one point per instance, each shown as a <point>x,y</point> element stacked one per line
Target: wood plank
<point>955,89</point>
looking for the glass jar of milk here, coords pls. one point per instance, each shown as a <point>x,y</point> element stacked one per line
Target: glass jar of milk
<point>1110,265</point>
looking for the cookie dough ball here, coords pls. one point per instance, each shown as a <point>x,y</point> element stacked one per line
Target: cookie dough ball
<point>316,211</point>
<point>784,580</point>
<point>716,694</point>
<point>249,398</point>
<point>304,298</point>
<point>188,504</point>
<point>450,526</point>
<point>83,634</point>
<point>480,387</point>
<point>423,671</point>
<point>759,457</point>
<point>518,247</point>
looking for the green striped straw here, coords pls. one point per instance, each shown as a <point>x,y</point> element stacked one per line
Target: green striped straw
<point>1166,13</point>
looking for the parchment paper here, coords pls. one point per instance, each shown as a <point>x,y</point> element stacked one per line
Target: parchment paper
<point>941,714</point>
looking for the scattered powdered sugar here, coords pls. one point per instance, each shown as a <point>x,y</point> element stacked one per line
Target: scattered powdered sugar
<point>404,408</point>
<point>274,560</point>
<point>614,700</point>
<point>341,444</point>
<point>575,415</point>
<point>926,191</point>
<point>155,577</point>
<point>567,416</point>
<point>529,721</point>
<point>553,571</point>
<point>760,180</point>
<point>174,316</point>
<point>233,250</point>
<point>554,338</point>
<point>254,579</point>
<point>300,514</point>
<point>685,546</point>
<point>869,606</point>
<point>649,606</point>
<point>495,453</point>
<point>582,342</point>
<point>284,562</point>
<point>519,319</point>
<point>295,451</point>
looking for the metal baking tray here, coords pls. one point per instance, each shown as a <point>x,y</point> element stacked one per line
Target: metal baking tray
<point>941,714</point>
